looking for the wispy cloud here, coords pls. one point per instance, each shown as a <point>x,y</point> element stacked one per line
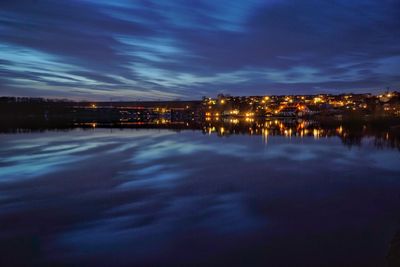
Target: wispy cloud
<point>176,49</point>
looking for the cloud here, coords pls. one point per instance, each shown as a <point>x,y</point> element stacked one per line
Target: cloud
<point>133,49</point>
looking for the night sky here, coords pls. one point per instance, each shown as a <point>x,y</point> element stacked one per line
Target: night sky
<point>129,50</point>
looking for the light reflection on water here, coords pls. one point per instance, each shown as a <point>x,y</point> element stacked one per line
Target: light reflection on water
<point>112,197</point>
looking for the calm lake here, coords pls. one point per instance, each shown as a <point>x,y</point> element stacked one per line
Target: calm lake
<point>97,196</point>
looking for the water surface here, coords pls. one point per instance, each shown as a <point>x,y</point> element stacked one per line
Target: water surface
<point>151,197</point>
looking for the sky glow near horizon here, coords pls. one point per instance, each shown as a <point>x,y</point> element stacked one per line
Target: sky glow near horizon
<point>149,50</point>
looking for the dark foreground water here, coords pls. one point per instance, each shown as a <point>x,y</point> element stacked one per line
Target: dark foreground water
<point>157,197</point>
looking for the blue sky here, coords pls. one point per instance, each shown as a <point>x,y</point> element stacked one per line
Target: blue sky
<point>181,49</point>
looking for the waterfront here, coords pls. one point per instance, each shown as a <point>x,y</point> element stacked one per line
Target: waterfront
<point>113,196</point>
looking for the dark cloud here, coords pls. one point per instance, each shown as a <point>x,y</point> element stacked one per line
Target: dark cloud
<point>180,49</point>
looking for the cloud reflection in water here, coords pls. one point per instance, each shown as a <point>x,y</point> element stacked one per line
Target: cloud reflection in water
<point>151,196</point>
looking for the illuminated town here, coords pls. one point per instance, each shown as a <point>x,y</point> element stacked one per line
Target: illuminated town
<point>223,106</point>
<point>302,105</point>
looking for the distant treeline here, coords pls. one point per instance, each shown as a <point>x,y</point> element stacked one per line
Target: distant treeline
<point>24,105</point>
<point>11,99</point>
<point>16,107</point>
<point>26,110</point>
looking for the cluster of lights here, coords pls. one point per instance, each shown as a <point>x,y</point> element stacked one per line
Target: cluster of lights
<point>249,114</point>
<point>293,105</point>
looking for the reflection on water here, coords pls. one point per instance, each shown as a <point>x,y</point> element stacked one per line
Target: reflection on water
<point>351,133</point>
<point>275,193</point>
